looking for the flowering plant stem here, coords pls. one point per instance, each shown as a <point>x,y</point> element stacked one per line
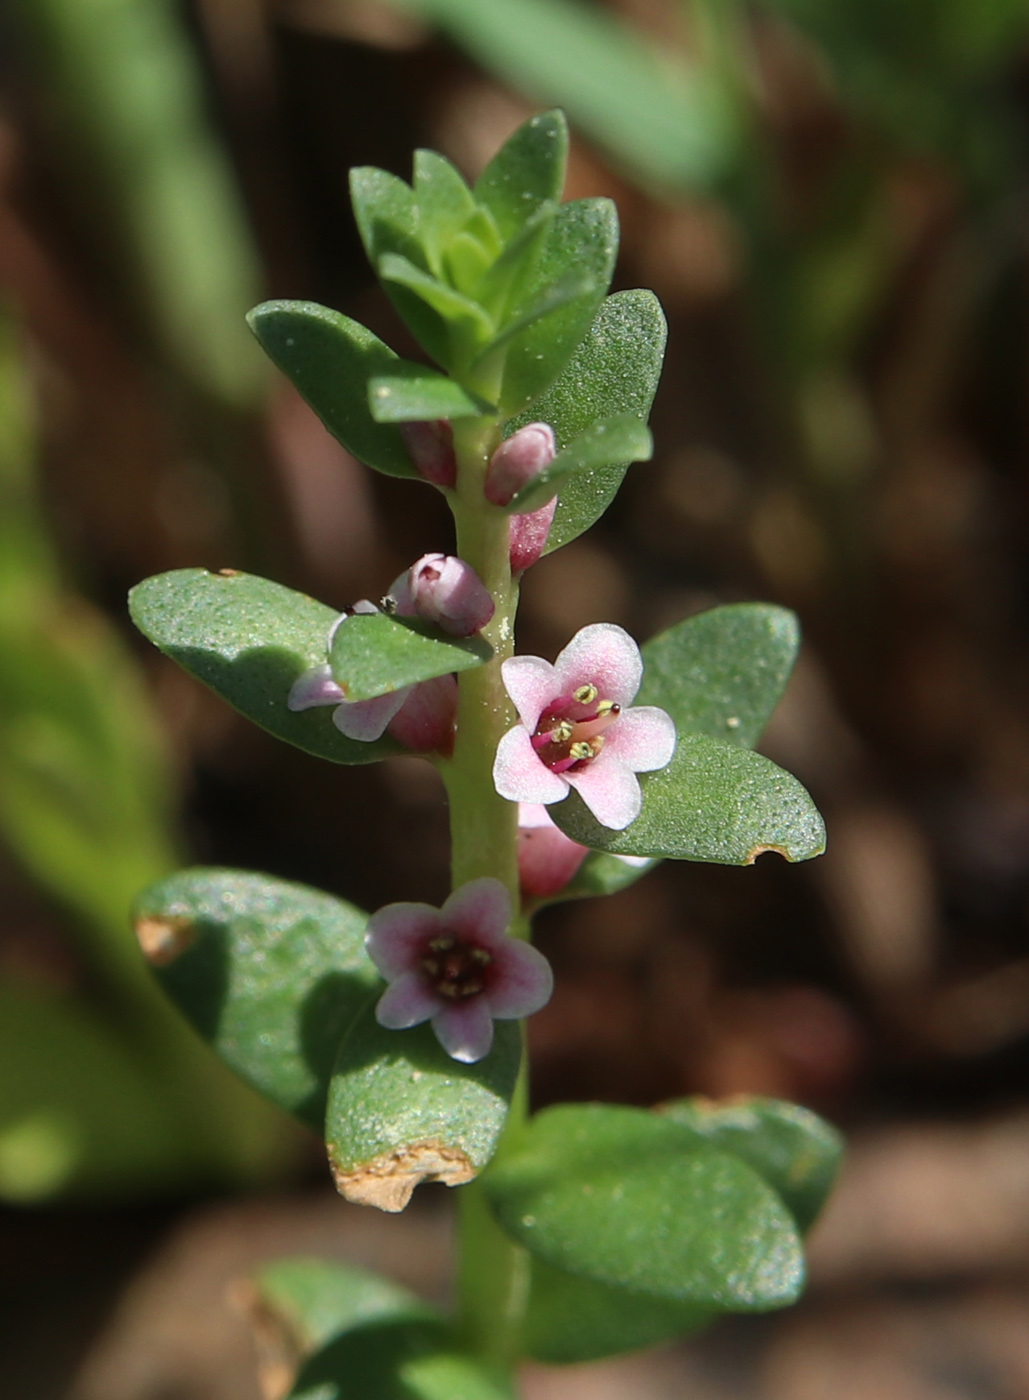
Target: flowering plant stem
<point>493,1269</point>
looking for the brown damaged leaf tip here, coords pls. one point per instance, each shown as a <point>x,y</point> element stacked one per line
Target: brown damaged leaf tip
<point>279,1345</point>
<point>164,939</point>
<point>388,1181</point>
<point>753,854</point>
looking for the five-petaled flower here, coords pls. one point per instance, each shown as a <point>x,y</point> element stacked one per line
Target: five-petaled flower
<point>577,728</point>
<point>457,967</point>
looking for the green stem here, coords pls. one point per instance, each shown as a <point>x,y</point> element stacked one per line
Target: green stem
<point>493,1269</point>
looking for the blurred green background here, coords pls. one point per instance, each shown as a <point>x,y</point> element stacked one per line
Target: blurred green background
<point>831,199</point>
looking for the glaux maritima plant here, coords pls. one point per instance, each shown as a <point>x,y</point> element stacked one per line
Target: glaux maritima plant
<point>587,1229</point>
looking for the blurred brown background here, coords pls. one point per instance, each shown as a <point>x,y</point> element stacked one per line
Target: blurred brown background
<point>840,428</point>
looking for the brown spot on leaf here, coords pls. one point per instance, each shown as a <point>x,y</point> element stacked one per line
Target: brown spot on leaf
<point>164,939</point>
<point>229,573</point>
<point>753,854</point>
<point>279,1344</point>
<point>389,1180</point>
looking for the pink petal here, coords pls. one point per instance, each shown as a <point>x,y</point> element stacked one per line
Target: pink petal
<point>547,858</point>
<point>465,1029</point>
<point>407,1002</point>
<point>522,981</point>
<point>366,720</point>
<point>425,721</point>
<point>397,934</point>
<point>479,911</point>
<point>531,683</point>
<point>517,460</point>
<point>610,790</point>
<point>527,536</point>
<point>314,687</point>
<point>520,776</point>
<point>605,656</point>
<point>643,738</point>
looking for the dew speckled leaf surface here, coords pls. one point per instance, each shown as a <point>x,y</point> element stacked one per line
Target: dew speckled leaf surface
<point>375,653</point>
<point>401,1110</point>
<point>526,173</point>
<point>331,361</point>
<point>615,370</point>
<point>249,639</point>
<point>715,802</point>
<point>414,394</point>
<point>629,1199</point>
<point>395,1360</point>
<point>796,1152</point>
<point>576,1319</point>
<point>582,239</point>
<point>271,973</point>
<point>722,672</point>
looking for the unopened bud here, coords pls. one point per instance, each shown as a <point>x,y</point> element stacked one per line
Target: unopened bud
<point>528,536</point>
<point>446,591</point>
<point>547,858</point>
<point>426,721</point>
<point>517,460</point>
<point>431,448</point>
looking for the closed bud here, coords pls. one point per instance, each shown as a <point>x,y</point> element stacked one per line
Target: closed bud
<point>446,591</point>
<point>431,448</point>
<point>517,460</point>
<point>528,536</point>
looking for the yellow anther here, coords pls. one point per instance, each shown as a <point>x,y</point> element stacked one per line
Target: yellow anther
<point>586,694</point>
<point>562,732</point>
<point>581,750</point>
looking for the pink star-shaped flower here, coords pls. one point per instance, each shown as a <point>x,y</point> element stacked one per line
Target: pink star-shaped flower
<point>577,729</point>
<point>457,967</point>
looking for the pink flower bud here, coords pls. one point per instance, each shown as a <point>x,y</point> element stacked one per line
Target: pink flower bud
<point>528,537</point>
<point>446,591</point>
<point>425,722</point>
<point>517,460</point>
<point>547,858</point>
<point>431,448</point>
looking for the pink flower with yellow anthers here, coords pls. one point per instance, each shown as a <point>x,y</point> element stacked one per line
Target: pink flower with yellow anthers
<point>579,728</point>
<point>457,967</point>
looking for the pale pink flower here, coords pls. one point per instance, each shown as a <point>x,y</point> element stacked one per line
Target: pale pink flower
<point>517,460</point>
<point>446,591</point>
<point>527,537</point>
<point>577,729</point>
<point>431,448</point>
<point>457,967</point>
<point>364,720</point>
<point>547,858</point>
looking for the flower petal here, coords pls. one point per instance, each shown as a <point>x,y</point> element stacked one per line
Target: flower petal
<point>465,1029</point>
<point>366,720</point>
<point>531,683</point>
<point>610,789</point>
<point>314,687</point>
<point>407,1002</point>
<point>643,738</point>
<point>605,656</point>
<point>479,911</point>
<point>520,776</point>
<point>547,858</point>
<point>522,981</point>
<point>397,934</point>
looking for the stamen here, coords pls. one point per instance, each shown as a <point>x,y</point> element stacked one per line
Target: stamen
<point>586,694</point>
<point>580,751</point>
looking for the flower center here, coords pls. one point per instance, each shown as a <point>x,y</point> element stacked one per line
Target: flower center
<point>456,968</point>
<point>570,732</point>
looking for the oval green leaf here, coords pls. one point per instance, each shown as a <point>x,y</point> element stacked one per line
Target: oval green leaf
<point>332,361</point>
<point>626,1198</point>
<point>414,394</point>
<point>581,240</point>
<point>526,173</point>
<point>270,973</point>
<point>249,639</point>
<point>715,802</point>
<point>401,1111</point>
<point>577,1319</point>
<point>376,653</point>
<point>615,370</point>
<point>722,672</point>
<point>796,1152</point>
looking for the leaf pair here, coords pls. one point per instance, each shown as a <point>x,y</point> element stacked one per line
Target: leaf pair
<point>276,978</point>
<point>644,1226</point>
